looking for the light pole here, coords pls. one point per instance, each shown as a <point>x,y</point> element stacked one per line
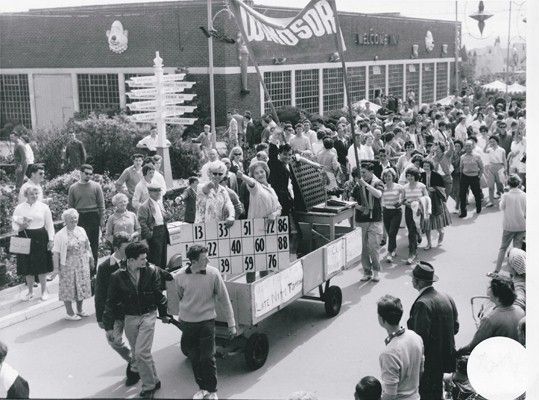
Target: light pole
<point>508,45</point>
<point>457,45</point>
<point>210,73</point>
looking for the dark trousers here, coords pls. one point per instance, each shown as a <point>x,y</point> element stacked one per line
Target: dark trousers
<point>412,231</point>
<point>198,339</point>
<point>392,219</point>
<point>157,246</point>
<point>473,183</point>
<point>431,383</point>
<point>90,221</point>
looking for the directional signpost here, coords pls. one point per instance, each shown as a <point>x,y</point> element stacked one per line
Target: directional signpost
<point>161,95</point>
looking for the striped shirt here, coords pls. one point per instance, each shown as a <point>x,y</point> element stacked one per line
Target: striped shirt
<point>414,194</point>
<point>392,196</point>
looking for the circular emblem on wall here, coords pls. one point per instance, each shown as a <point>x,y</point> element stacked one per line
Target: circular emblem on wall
<point>429,41</point>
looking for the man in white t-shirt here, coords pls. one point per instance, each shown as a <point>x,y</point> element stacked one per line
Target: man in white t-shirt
<point>151,142</point>
<point>307,131</point>
<point>497,166</point>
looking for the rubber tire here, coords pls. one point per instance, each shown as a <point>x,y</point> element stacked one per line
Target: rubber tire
<point>256,351</point>
<point>333,301</point>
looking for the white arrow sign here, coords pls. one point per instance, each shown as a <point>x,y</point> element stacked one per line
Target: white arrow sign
<point>180,121</point>
<point>146,117</point>
<point>150,93</point>
<point>171,110</point>
<point>150,105</point>
<point>169,100</point>
<point>149,81</point>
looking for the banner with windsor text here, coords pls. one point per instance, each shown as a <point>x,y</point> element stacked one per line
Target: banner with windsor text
<point>312,31</point>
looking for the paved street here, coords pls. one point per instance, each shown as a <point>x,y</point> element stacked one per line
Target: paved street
<point>307,350</point>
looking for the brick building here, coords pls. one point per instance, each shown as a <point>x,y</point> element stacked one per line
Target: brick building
<point>54,62</point>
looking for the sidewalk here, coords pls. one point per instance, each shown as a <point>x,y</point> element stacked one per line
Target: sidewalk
<point>14,310</point>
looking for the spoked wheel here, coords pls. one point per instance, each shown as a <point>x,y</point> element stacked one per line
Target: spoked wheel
<point>256,350</point>
<point>333,300</point>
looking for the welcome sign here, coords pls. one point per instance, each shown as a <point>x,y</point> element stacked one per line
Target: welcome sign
<point>312,31</point>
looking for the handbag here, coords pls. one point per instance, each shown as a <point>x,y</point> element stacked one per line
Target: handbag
<point>20,245</point>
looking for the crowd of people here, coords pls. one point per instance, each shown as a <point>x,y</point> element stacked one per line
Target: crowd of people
<point>400,165</point>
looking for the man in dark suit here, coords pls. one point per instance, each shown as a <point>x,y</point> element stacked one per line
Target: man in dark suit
<point>104,272</point>
<point>153,229</point>
<point>340,143</point>
<point>434,317</point>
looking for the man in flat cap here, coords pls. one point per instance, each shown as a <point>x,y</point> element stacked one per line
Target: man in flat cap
<point>434,317</point>
<point>152,216</point>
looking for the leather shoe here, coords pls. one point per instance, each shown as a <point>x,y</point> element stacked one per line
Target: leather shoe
<point>157,385</point>
<point>462,215</point>
<point>132,376</point>
<point>147,394</point>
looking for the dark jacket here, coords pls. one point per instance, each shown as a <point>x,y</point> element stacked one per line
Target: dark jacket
<point>341,149</point>
<point>134,301</point>
<point>434,317</point>
<point>147,221</point>
<point>102,280</point>
<point>438,197</point>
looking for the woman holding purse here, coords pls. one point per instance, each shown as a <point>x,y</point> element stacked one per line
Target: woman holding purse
<point>33,220</point>
<point>72,260</point>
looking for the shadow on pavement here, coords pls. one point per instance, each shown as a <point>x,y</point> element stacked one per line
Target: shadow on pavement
<point>54,328</point>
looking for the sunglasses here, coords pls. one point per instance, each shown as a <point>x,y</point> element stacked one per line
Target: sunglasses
<point>217,174</point>
<point>87,173</point>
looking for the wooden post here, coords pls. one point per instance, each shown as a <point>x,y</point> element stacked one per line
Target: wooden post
<point>338,37</point>
<point>162,148</point>
<point>255,63</point>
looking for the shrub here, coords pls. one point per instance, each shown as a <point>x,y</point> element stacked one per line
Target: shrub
<point>49,146</point>
<point>184,161</point>
<point>109,142</point>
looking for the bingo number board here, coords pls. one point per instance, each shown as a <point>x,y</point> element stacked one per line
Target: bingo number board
<point>247,246</point>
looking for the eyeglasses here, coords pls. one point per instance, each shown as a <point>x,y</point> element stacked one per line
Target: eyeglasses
<point>217,174</point>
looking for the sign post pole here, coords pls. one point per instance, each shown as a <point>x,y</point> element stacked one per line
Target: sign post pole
<point>162,148</point>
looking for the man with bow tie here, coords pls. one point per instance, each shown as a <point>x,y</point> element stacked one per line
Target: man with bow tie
<point>152,217</point>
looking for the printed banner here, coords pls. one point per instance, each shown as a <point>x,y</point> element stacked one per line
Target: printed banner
<point>312,31</point>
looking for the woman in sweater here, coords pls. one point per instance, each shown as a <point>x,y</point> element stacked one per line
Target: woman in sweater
<point>392,198</point>
<point>503,319</point>
<point>72,259</point>
<point>439,217</point>
<point>263,201</point>
<point>33,219</point>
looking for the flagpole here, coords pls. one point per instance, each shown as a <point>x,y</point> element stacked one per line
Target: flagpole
<point>260,76</point>
<point>210,74</point>
<point>338,36</point>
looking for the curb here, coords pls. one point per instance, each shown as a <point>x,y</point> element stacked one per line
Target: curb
<point>30,312</point>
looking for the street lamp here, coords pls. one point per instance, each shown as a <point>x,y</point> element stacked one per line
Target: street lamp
<point>480,16</point>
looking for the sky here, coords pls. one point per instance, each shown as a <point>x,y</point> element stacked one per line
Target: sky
<point>496,26</point>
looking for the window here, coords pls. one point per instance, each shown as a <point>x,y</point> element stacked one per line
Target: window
<point>307,90</point>
<point>427,92</point>
<point>333,89</point>
<point>395,80</point>
<point>377,81</point>
<point>412,80</point>
<point>15,100</point>
<point>441,80</point>
<point>356,79</point>
<point>280,89</point>
<point>98,91</point>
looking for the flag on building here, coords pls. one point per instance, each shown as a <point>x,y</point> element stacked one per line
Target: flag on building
<point>312,31</point>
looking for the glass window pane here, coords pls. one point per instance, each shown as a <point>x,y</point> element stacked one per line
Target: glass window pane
<point>15,100</point>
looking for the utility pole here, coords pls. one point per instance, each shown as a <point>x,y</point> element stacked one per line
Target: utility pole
<point>508,50</point>
<point>457,48</point>
<point>210,73</point>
